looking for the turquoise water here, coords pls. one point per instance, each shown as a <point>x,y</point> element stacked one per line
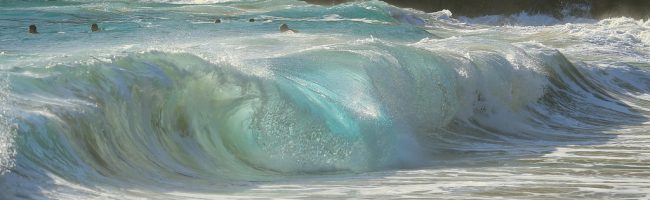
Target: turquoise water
<point>365,99</point>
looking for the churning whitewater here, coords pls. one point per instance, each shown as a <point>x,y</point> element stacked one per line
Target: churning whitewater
<point>364,99</point>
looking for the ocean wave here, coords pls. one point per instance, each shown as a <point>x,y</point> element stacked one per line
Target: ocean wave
<point>362,87</point>
<point>179,115</point>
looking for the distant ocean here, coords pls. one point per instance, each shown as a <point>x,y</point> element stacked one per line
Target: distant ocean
<point>361,100</point>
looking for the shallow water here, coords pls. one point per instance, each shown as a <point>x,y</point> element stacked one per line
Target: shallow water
<point>365,100</point>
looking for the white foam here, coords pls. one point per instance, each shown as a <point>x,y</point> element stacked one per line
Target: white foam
<point>7,149</point>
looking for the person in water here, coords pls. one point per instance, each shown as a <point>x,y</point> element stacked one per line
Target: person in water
<point>216,21</point>
<point>32,29</point>
<point>285,28</point>
<point>251,20</point>
<point>94,27</point>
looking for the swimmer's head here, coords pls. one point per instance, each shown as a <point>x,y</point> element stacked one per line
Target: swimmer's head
<point>216,21</point>
<point>251,20</point>
<point>284,28</point>
<point>32,29</point>
<point>94,27</point>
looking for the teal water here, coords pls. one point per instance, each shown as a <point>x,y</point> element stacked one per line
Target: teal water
<point>365,99</point>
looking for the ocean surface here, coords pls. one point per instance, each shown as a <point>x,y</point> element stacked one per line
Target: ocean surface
<point>364,100</point>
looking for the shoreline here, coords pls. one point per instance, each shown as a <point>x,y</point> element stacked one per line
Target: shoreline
<point>600,9</point>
